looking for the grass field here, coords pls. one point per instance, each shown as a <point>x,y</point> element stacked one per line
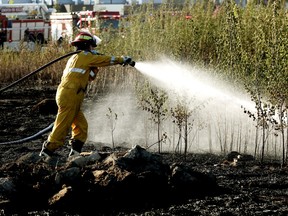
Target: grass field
<point>247,47</point>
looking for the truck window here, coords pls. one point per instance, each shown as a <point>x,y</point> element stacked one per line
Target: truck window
<point>88,24</point>
<point>9,25</point>
<point>109,23</point>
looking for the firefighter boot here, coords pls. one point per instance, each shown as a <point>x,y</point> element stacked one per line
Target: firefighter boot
<point>76,147</point>
<point>45,153</point>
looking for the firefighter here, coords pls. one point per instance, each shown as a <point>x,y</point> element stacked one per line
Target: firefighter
<point>2,38</point>
<point>80,68</point>
<point>26,35</point>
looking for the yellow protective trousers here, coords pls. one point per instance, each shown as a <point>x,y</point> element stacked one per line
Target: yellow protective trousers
<point>69,116</point>
<point>70,95</point>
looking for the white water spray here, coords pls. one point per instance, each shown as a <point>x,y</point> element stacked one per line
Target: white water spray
<point>222,115</point>
<point>190,81</point>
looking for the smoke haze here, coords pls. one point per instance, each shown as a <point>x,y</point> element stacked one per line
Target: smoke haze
<point>221,122</point>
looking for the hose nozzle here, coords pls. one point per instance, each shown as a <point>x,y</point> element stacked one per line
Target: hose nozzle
<point>132,63</point>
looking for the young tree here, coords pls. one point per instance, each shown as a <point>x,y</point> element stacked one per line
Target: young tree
<point>113,117</point>
<point>153,100</point>
<point>265,120</point>
<point>184,116</point>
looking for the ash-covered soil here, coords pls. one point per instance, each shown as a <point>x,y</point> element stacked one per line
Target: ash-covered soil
<point>244,188</point>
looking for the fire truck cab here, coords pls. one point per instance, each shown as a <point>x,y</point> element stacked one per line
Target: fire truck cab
<point>24,23</point>
<point>63,26</point>
<point>97,21</point>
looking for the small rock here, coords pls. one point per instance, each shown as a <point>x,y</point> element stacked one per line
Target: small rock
<point>6,185</point>
<point>60,196</point>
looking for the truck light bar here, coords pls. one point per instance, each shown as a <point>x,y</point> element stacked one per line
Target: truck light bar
<point>110,16</point>
<point>30,28</point>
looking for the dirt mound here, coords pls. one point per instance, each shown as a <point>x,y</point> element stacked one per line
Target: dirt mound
<point>134,179</point>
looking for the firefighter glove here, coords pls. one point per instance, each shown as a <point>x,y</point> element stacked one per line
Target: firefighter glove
<point>128,60</point>
<point>93,73</point>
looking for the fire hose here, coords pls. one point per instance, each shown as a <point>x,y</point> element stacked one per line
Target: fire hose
<point>33,137</point>
<point>36,71</point>
<point>132,63</point>
<point>45,130</point>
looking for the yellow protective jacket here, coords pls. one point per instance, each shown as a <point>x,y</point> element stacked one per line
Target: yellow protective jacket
<point>70,95</point>
<point>78,67</point>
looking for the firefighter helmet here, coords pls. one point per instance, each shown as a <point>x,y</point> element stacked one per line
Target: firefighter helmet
<point>86,38</point>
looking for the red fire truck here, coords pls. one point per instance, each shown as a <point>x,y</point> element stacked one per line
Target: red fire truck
<point>24,23</point>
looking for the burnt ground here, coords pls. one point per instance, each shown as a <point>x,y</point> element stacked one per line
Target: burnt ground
<point>248,188</point>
